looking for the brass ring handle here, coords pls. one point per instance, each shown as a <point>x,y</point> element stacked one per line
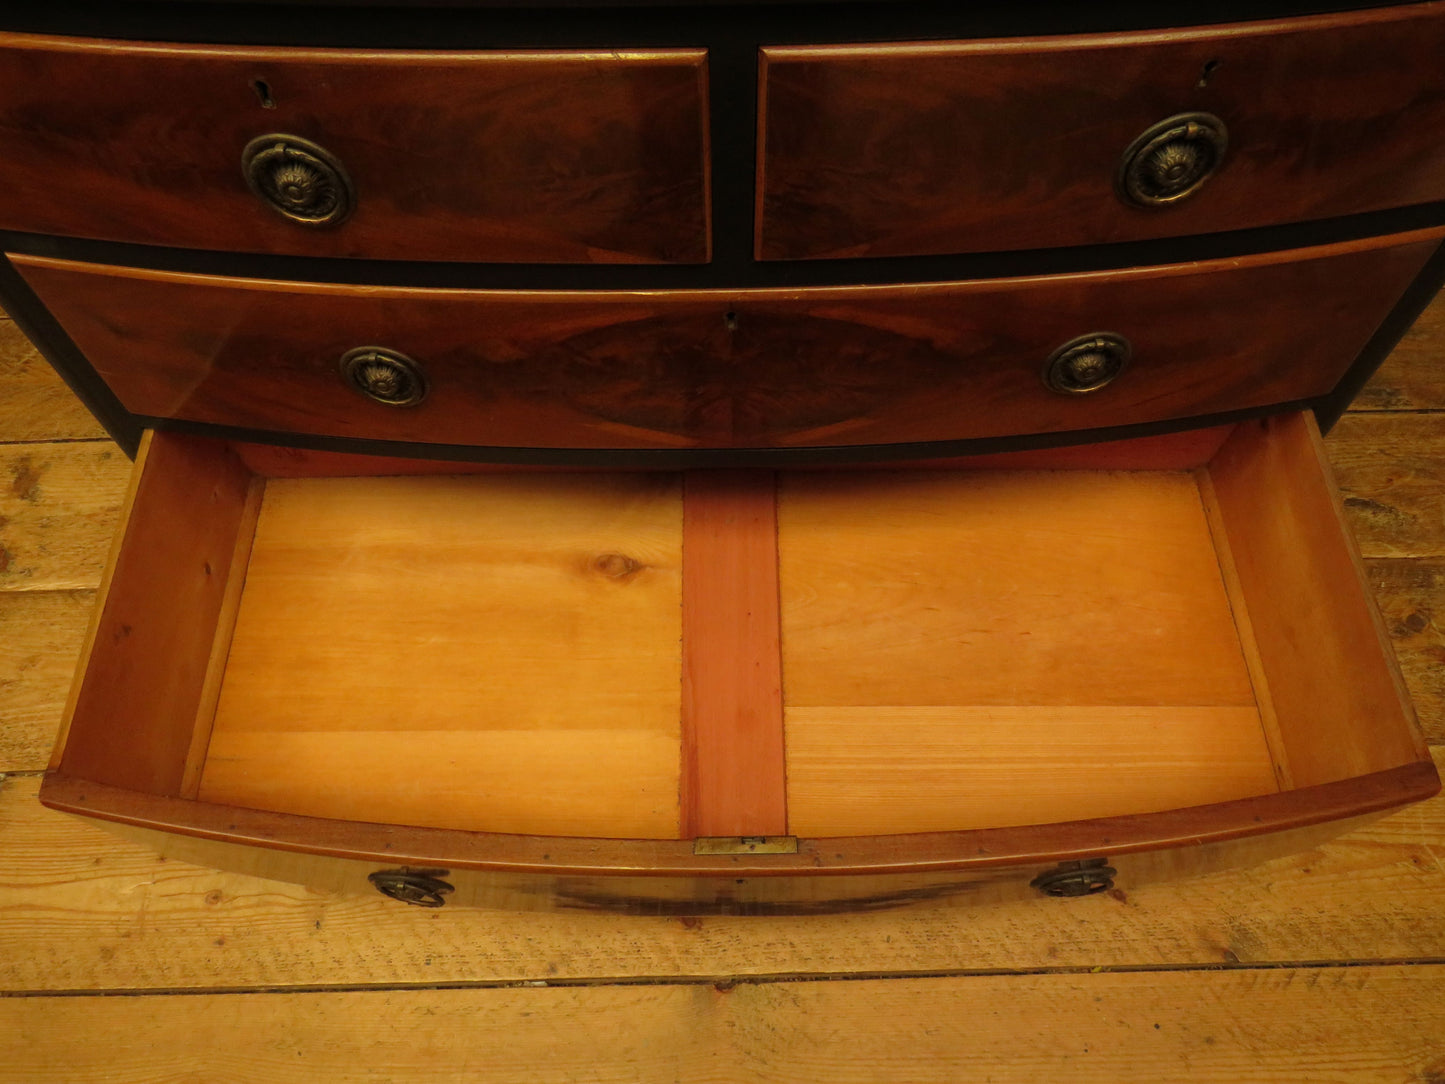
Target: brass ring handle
<point>384,376</point>
<point>298,179</point>
<point>419,887</point>
<point>1071,879</point>
<point>1171,160</point>
<point>1087,363</point>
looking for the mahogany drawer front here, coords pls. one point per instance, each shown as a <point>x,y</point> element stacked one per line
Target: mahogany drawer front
<point>753,368</point>
<point>909,149</point>
<point>551,157</point>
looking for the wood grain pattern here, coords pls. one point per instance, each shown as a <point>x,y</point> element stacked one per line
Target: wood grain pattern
<point>490,652</point>
<point>706,880</point>
<point>40,640</point>
<point>1383,1023</point>
<point>1411,597</point>
<point>733,781</point>
<point>988,648</point>
<point>38,404</point>
<point>1338,695</point>
<point>1004,588</point>
<point>86,910</point>
<point>752,368</point>
<point>59,504</point>
<point>1244,628</point>
<point>1412,377</point>
<point>906,149</point>
<point>522,156</point>
<point>133,714</point>
<point>1391,471</point>
<point>854,771</point>
<point>225,626</point>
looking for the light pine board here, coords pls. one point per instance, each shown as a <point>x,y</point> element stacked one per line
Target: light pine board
<point>59,504</point>
<point>857,771</point>
<point>40,639</point>
<point>974,691</point>
<point>1413,377</point>
<point>407,652</point>
<point>1391,470</point>
<point>881,607</point>
<point>1338,1024</point>
<point>38,405</point>
<point>1411,595</point>
<point>83,911</point>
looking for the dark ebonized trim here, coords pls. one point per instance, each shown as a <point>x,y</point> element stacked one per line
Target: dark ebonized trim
<point>483,24</point>
<point>734,268</point>
<point>65,357</point>
<point>1407,310</point>
<point>669,459</point>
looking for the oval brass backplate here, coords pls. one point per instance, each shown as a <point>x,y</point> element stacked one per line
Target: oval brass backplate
<point>1070,879</point>
<point>418,887</point>
<point>1171,161</point>
<point>384,376</point>
<point>298,179</point>
<point>1087,364</point>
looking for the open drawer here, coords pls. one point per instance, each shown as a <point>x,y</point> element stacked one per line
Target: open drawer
<point>738,690</point>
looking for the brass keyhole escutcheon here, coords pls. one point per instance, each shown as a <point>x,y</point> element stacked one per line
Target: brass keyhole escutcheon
<point>1171,161</point>
<point>298,179</point>
<point>1087,364</point>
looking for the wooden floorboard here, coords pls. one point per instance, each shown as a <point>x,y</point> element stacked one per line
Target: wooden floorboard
<point>81,910</point>
<point>1329,965</point>
<point>1329,1024</point>
<point>38,406</point>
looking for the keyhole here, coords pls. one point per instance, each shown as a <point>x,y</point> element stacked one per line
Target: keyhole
<point>730,321</point>
<point>1205,74</point>
<point>263,92</point>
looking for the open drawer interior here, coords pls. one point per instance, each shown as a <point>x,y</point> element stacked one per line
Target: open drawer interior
<point>1044,637</point>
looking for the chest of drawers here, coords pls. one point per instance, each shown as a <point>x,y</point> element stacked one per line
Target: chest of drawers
<point>727,458</point>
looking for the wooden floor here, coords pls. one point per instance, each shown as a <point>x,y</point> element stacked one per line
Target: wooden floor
<point>1326,966</point>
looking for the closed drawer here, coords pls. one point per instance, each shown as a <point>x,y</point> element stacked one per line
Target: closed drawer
<point>902,149</point>
<point>743,369</point>
<point>960,672</point>
<point>554,157</point>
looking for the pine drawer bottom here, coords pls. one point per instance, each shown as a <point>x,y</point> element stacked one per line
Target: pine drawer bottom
<point>739,691</point>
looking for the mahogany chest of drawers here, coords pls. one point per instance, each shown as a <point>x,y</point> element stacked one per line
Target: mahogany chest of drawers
<point>743,457</point>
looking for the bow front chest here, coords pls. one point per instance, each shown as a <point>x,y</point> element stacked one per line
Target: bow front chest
<point>727,457</point>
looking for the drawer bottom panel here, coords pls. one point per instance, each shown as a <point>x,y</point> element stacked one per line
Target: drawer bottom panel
<point>1090,640</point>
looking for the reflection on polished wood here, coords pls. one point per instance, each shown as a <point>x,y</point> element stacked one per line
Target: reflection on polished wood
<point>908,149</point>
<point>723,369</point>
<point>550,157</point>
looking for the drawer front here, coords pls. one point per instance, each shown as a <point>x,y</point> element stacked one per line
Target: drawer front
<point>489,156</point>
<point>753,368</point>
<point>1205,637</point>
<point>911,149</point>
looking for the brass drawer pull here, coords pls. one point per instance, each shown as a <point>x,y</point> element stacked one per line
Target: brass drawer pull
<point>384,376</point>
<point>1171,160</point>
<point>298,179</point>
<point>419,887</point>
<point>1076,878</point>
<point>1087,363</point>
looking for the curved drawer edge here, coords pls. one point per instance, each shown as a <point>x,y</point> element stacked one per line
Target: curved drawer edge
<point>921,853</point>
